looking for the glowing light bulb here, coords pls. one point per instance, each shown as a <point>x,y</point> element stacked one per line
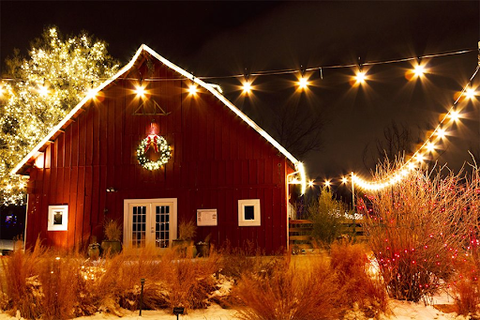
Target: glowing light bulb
<point>247,87</point>
<point>43,91</point>
<point>192,89</point>
<point>441,133</point>
<point>420,157</point>
<point>303,83</point>
<point>454,115</point>
<point>344,180</point>
<point>411,166</point>
<point>140,91</point>
<point>430,147</point>
<point>470,93</point>
<point>419,70</point>
<point>310,183</point>
<point>327,183</point>
<point>91,93</point>
<point>360,77</point>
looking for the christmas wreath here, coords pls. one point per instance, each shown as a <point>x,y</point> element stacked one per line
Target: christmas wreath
<point>160,145</point>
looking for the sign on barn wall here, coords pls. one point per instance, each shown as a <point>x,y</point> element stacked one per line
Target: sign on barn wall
<point>206,217</point>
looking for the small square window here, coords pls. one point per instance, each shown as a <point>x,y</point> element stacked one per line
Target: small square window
<point>58,218</point>
<point>249,212</point>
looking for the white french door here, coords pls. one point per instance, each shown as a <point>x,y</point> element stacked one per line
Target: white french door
<point>151,222</point>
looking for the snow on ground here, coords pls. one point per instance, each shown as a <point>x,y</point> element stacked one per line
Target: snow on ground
<point>400,310</point>
<point>215,312</point>
<point>403,310</point>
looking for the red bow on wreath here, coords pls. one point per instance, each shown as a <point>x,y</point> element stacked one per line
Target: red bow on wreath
<point>152,140</point>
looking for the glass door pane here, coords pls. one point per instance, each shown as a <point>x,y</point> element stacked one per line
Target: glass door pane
<point>162,226</point>
<point>139,226</point>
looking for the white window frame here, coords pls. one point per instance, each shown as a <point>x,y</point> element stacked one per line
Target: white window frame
<point>257,218</point>
<point>150,203</point>
<point>52,209</point>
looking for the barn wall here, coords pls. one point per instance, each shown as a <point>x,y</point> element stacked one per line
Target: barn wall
<point>217,159</point>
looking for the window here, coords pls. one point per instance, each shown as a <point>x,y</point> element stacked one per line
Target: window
<point>58,218</point>
<point>249,212</point>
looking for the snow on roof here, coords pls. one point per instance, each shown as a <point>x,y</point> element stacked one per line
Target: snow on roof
<point>213,89</point>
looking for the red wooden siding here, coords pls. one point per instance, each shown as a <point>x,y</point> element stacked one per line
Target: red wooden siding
<point>217,159</point>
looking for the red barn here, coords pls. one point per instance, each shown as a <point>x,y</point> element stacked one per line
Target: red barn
<point>149,152</point>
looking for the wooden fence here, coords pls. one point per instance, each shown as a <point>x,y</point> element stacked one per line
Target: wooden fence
<point>300,233</point>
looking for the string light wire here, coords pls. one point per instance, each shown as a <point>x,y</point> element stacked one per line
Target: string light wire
<point>418,155</point>
<point>368,185</point>
<point>308,69</point>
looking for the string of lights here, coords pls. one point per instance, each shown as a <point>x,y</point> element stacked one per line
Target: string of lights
<point>307,69</point>
<point>418,69</point>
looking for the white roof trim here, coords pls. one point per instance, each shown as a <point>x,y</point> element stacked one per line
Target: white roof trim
<point>299,166</point>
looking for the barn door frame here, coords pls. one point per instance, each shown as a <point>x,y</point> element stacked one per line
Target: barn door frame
<point>151,227</point>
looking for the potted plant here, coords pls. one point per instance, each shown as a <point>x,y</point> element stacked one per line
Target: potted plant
<point>203,247</point>
<point>113,233</point>
<point>186,232</point>
<point>93,249</point>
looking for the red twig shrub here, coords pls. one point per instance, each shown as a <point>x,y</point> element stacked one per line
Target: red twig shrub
<point>418,228</point>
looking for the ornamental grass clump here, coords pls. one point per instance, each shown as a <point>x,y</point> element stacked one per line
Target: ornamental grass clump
<point>418,229</point>
<point>358,287</point>
<point>112,230</point>
<point>21,283</point>
<point>42,283</point>
<point>170,281</point>
<point>248,259</point>
<point>290,291</point>
<point>60,280</point>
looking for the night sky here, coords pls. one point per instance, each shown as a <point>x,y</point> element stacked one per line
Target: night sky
<point>223,38</point>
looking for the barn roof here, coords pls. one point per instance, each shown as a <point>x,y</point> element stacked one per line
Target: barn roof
<point>23,165</point>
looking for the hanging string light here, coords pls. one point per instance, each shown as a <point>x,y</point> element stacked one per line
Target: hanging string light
<point>140,90</point>
<point>302,80</point>
<point>470,93</point>
<point>452,116</point>
<point>360,78</point>
<point>192,89</point>
<point>303,83</point>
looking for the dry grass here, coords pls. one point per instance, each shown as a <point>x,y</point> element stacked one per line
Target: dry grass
<point>313,287</point>
<point>169,280</point>
<point>21,284</point>
<point>40,285</point>
<point>112,230</point>
<point>289,293</point>
<point>357,287</point>
<point>239,261</point>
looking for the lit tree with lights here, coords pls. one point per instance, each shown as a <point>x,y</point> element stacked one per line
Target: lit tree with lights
<point>38,91</point>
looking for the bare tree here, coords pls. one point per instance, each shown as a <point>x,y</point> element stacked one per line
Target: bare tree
<point>299,131</point>
<point>397,141</point>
